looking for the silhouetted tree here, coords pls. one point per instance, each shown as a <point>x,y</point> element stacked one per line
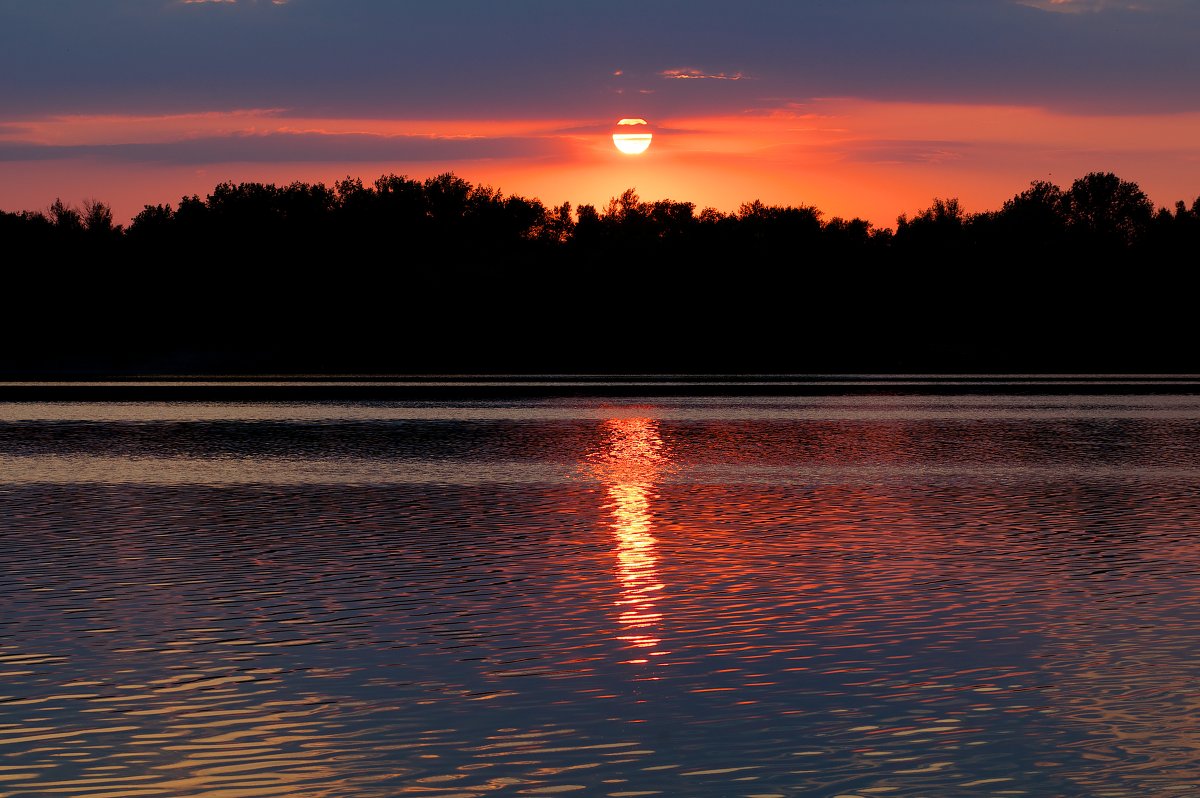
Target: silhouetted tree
<point>1103,210</point>
<point>558,225</point>
<point>774,232</point>
<point>97,218</point>
<point>1037,214</point>
<point>940,228</point>
<point>65,218</point>
<point>847,234</point>
<point>589,230</point>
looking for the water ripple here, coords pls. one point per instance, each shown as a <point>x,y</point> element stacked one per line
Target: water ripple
<point>690,601</point>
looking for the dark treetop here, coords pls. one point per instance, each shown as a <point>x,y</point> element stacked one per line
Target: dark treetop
<point>441,276</point>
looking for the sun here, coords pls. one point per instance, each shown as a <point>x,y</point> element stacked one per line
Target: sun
<point>632,136</point>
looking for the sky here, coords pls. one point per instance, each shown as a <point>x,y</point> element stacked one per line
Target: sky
<point>867,108</point>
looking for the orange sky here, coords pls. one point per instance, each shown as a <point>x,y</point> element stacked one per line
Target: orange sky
<point>868,108</point>
<point>848,157</point>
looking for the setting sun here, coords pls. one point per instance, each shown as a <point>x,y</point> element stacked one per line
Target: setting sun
<point>632,143</point>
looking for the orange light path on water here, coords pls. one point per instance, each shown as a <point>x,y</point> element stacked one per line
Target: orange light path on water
<point>637,565</point>
<point>629,465</point>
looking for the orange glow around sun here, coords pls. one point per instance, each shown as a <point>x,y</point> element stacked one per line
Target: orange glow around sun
<point>848,157</point>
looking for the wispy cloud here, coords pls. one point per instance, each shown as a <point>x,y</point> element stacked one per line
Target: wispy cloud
<point>688,73</point>
<point>1086,6</point>
<point>290,148</point>
<point>230,2</point>
<point>903,151</point>
<point>103,129</point>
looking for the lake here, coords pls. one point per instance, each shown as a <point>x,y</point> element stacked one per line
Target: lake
<point>835,595</point>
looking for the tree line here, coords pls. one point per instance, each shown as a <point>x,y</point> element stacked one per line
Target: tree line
<point>406,275</point>
<point>449,216</point>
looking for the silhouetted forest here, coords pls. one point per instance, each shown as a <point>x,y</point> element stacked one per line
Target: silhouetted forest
<point>442,276</point>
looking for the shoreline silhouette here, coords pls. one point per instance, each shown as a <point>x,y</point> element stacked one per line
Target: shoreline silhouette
<point>434,276</point>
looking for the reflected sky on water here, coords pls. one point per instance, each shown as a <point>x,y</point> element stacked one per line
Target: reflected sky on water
<point>812,596</point>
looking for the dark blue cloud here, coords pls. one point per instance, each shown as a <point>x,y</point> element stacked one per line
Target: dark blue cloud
<point>904,151</point>
<point>289,148</point>
<point>472,58</point>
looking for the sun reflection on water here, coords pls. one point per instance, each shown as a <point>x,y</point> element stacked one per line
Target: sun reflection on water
<point>632,461</point>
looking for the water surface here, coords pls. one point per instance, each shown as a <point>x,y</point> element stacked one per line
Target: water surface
<point>903,596</point>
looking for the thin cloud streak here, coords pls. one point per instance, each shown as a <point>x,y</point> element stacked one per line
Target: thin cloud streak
<point>289,148</point>
<point>698,74</point>
<point>1093,6</point>
<point>138,128</point>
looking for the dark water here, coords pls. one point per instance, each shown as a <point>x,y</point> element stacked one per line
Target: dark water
<point>921,596</point>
